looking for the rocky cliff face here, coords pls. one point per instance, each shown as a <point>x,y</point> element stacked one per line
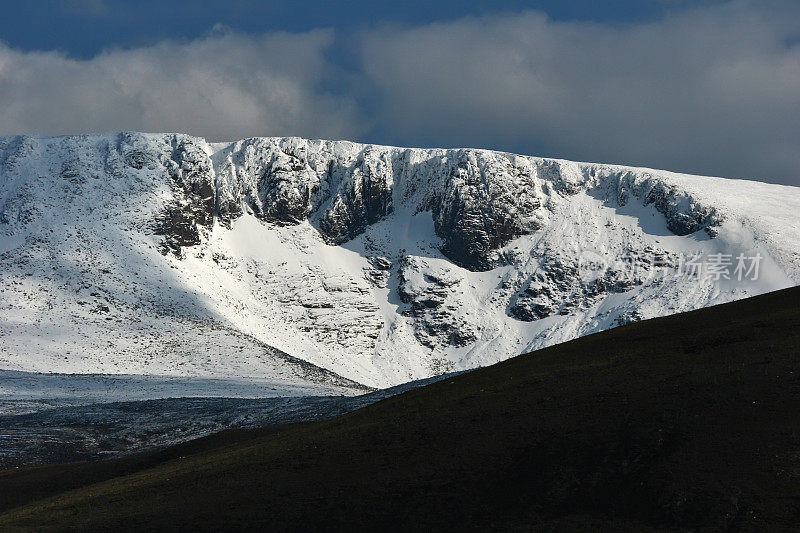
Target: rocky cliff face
<point>479,200</point>
<point>381,264</point>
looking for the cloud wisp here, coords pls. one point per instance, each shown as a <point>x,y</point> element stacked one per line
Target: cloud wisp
<point>225,86</point>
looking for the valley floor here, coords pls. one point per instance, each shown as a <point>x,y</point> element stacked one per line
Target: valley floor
<point>49,418</point>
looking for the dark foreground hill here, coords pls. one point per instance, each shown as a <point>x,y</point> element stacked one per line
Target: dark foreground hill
<point>691,421</point>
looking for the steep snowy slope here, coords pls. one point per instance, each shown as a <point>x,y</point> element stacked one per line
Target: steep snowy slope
<point>294,260</point>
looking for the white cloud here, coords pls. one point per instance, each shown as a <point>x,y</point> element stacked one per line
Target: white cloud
<point>713,90</point>
<point>225,86</point>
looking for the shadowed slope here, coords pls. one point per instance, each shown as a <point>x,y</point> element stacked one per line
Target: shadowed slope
<point>688,420</point>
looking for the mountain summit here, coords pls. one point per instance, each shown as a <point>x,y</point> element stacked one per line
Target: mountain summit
<point>335,262</point>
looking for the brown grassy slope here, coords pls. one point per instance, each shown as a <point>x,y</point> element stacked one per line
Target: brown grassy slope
<point>690,420</point>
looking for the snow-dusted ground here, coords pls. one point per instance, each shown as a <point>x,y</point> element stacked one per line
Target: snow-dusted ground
<point>46,432</point>
<point>88,287</point>
<point>25,392</point>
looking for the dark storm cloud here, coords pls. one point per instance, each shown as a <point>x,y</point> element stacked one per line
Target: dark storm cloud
<point>712,90</point>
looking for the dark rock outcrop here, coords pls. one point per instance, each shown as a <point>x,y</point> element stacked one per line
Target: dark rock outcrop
<point>476,212</point>
<point>363,197</point>
<point>684,215</point>
<point>428,300</point>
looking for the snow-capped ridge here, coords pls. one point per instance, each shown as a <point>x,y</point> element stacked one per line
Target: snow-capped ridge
<point>167,254</point>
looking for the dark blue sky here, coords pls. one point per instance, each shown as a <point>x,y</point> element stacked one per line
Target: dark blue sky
<point>82,28</point>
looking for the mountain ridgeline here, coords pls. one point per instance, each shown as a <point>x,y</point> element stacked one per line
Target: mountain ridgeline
<point>301,260</point>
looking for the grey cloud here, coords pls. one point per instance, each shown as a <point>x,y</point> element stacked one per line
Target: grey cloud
<point>225,86</point>
<point>713,90</point>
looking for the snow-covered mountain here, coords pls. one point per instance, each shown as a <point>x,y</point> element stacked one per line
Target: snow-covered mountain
<point>328,261</point>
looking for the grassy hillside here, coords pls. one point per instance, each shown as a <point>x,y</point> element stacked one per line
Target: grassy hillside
<point>690,420</point>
